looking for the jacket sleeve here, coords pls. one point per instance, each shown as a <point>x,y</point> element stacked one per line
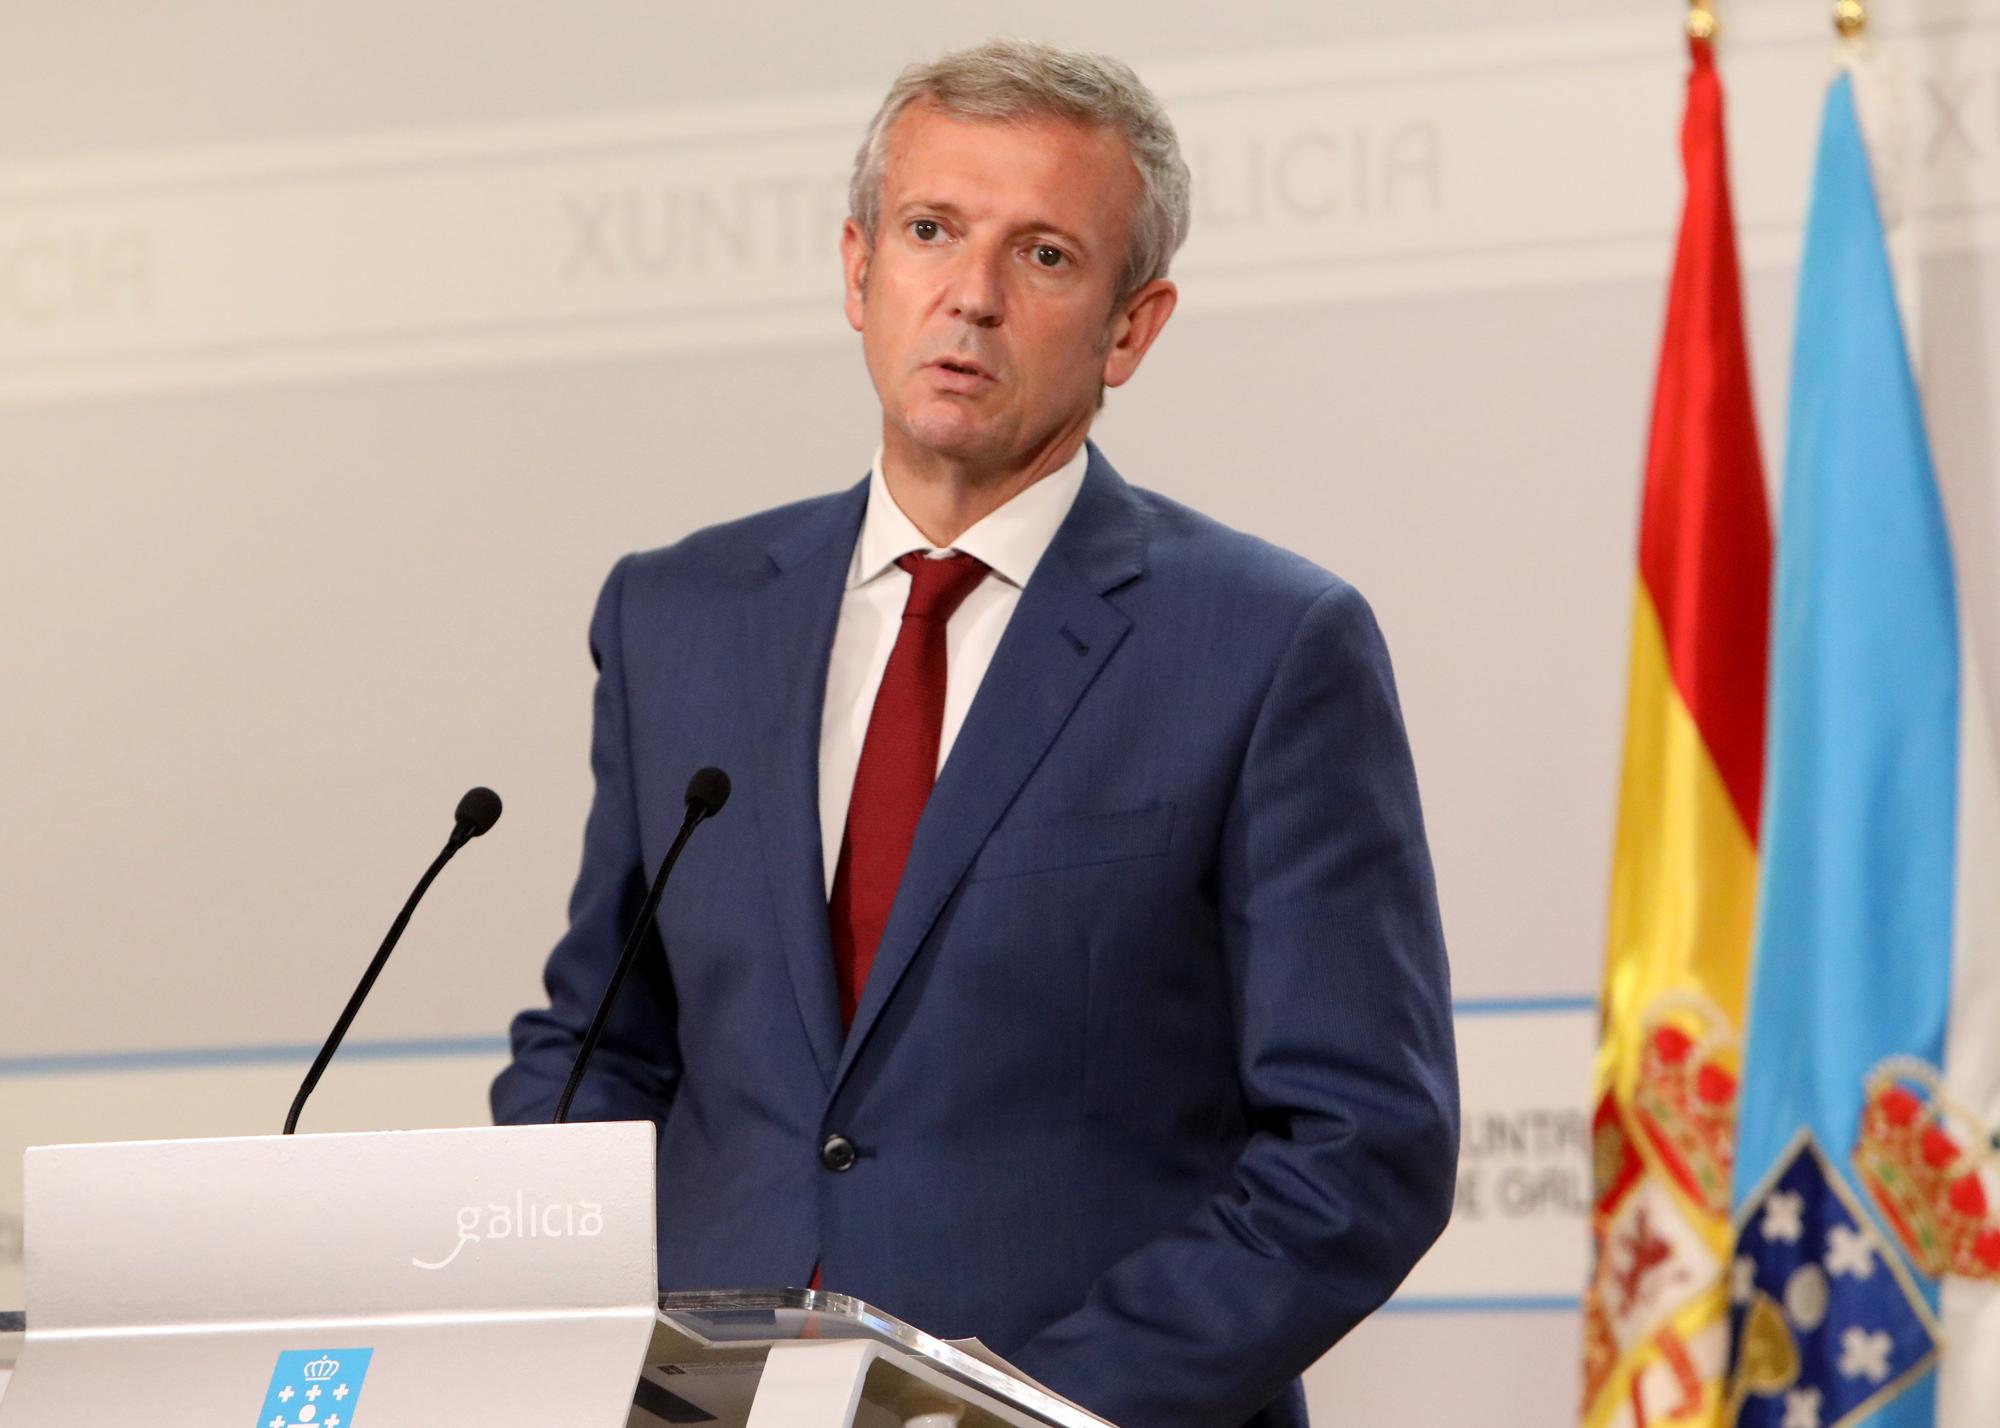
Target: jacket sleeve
<point>636,1065</point>
<point>1345,1064</point>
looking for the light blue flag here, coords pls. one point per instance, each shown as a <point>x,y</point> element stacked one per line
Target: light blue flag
<point>1832,1311</point>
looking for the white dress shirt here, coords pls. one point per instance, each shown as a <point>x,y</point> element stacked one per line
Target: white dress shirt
<point>1010,541</point>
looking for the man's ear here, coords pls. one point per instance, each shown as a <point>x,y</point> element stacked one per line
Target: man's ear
<point>1134,325</point>
<point>855,251</point>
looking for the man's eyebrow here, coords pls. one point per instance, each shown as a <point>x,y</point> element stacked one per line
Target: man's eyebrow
<point>953,211</point>
<point>930,205</point>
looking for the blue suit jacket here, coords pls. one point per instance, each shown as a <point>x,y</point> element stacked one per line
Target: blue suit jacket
<point>1152,1081</point>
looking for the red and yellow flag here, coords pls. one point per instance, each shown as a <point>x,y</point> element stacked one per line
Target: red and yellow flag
<point>1684,879</point>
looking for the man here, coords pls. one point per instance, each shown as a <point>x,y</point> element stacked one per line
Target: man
<point>1126,1046</point>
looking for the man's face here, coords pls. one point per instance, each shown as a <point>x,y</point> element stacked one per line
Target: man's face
<point>984,300</point>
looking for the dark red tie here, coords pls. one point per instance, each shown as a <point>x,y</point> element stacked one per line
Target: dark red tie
<point>899,759</point>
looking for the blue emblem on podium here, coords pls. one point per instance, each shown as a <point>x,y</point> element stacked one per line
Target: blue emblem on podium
<point>315,1388</point>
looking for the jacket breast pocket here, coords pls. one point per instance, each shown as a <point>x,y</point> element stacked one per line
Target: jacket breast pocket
<point>1075,843</point>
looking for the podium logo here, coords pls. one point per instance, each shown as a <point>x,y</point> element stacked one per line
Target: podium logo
<point>315,1388</point>
<point>525,1219</point>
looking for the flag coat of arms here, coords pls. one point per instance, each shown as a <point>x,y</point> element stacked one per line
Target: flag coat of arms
<point>1866,1249</point>
<point>315,1388</point>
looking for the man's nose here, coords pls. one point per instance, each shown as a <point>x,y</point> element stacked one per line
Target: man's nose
<point>976,296</point>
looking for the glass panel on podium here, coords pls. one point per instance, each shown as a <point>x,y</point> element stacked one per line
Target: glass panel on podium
<point>11,1326</point>
<point>709,1349</point>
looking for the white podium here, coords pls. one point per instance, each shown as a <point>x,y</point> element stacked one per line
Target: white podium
<point>504,1276</point>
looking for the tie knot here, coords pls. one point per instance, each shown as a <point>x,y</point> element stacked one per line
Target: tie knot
<point>937,587</point>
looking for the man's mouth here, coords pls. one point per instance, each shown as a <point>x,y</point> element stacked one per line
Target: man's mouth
<point>963,366</point>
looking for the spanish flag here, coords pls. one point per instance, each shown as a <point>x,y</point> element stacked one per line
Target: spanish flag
<point>1683,887</point>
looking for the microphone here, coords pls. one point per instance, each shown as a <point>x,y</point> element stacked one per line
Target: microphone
<point>707,791</point>
<point>477,812</point>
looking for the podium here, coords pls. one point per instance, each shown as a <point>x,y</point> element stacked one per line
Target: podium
<point>505,1277</point>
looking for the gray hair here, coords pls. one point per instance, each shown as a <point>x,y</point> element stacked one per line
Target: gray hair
<point>1014,79</point>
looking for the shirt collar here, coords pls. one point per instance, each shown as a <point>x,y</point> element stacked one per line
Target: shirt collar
<point>1009,541</point>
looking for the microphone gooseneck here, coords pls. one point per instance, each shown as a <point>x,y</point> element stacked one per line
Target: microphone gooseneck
<point>707,791</point>
<point>477,812</point>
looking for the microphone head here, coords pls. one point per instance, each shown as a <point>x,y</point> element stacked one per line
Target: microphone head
<point>708,790</point>
<point>478,811</point>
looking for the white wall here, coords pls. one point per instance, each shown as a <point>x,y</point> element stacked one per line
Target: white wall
<point>342,351</point>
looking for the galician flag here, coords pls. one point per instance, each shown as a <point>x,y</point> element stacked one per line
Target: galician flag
<point>1684,877</point>
<point>1867,1245</point>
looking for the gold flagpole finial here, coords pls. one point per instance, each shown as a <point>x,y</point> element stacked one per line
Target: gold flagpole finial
<point>1850,18</point>
<point>1700,20</point>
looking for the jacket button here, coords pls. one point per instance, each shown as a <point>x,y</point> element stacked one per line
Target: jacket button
<point>838,1153</point>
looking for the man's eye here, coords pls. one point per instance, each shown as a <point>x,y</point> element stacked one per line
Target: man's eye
<point>925,229</point>
<point>1050,257</point>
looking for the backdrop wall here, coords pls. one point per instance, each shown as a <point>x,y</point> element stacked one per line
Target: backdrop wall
<point>342,352</point>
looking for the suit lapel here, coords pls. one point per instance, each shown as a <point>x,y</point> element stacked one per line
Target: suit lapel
<point>788,633</point>
<point>1061,633</point>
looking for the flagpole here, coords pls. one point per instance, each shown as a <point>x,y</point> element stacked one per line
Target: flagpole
<point>1700,21</point>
